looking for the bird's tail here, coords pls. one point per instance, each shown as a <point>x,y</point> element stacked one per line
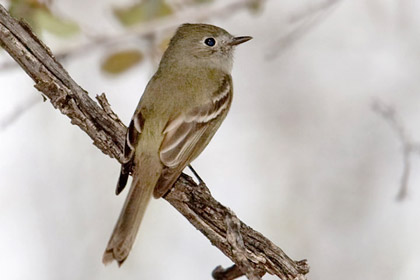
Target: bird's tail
<point>128,223</point>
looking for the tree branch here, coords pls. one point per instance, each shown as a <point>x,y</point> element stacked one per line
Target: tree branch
<point>252,253</point>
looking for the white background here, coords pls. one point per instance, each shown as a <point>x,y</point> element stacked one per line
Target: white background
<point>302,157</point>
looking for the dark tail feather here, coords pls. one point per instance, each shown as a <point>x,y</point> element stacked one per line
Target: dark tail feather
<point>122,180</point>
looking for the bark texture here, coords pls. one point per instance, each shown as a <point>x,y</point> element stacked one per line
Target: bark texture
<point>252,253</point>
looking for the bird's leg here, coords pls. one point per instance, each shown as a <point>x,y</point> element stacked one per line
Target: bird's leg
<point>200,181</point>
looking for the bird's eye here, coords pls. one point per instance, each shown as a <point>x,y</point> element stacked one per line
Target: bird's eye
<point>210,42</point>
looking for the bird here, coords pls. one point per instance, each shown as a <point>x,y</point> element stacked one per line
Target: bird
<point>181,108</point>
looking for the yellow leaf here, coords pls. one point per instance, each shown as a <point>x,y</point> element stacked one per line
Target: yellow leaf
<point>255,6</point>
<point>121,61</point>
<point>25,9</point>
<point>143,11</point>
<point>203,1</point>
<point>57,26</point>
<point>39,16</point>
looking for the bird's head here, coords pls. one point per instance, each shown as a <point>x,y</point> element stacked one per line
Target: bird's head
<point>203,45</point>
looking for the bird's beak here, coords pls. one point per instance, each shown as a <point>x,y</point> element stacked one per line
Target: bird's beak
<point>239,40</point>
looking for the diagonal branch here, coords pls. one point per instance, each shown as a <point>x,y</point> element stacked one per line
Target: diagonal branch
<point>252,253</point>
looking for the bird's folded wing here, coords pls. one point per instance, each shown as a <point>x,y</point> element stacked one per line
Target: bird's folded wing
<point>183,133</point>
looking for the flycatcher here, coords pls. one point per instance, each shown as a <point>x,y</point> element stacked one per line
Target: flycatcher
<point>182,106</point>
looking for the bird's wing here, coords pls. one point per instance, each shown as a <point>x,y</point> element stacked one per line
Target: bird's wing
<point>183,135</point>
<point>132,137</point>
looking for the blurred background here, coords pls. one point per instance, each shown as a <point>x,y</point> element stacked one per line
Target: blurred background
<point>320,151</point>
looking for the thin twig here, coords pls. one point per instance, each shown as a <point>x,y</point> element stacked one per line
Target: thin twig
<point>408,146</point>
<point>303,22</point>
<point>18,112</point>
<point>249,250</point>
<point>230,273</point>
